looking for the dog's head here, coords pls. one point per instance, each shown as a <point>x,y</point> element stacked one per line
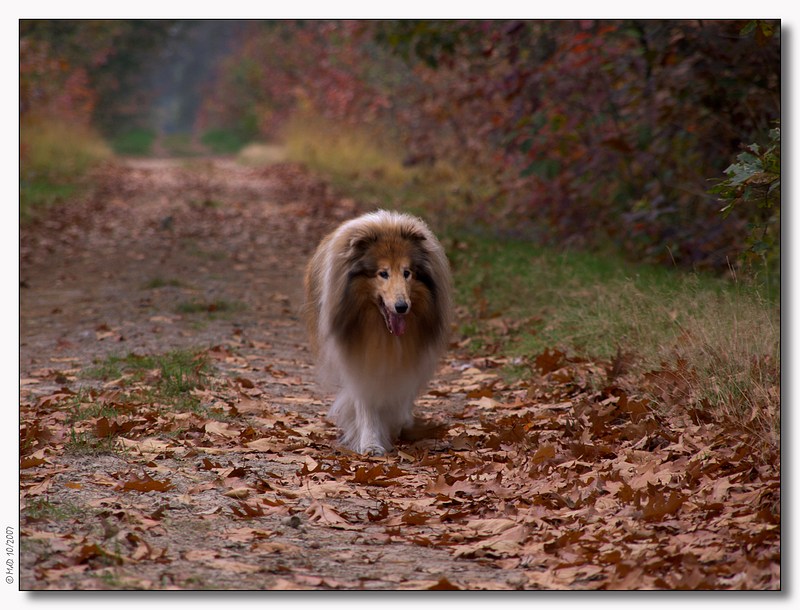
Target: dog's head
<point>393,266</point>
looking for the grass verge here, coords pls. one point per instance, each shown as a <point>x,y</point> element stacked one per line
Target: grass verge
<point>55,157</point>
<point>134,142</point>
<point>374,168</point>
<point>223,141</point>
<point>721,339</point>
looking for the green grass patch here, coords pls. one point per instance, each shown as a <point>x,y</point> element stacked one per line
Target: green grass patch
<point>37,195</point>
<point>55,158</point>
<point>134,142</point>
<point>39,509</point>
<point>83,410</point>
<point>177,370</point>
<point>223,141</point>
<point>85,443</point>
<point>585,302</point>
<point>589,303</point>
<point>164,379</point>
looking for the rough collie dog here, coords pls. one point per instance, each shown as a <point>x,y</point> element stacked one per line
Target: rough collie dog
<point>378,311</point>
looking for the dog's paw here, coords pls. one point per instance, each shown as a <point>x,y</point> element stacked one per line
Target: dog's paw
<point>373,449</point>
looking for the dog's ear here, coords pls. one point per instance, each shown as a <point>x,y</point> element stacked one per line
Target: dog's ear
<point>412,234</point>
<point>360,241</point>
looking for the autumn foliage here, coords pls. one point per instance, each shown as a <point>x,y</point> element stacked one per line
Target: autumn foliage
<point>595,132</point>
<point>592,131</point>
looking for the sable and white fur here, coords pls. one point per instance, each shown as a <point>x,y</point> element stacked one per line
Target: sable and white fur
<point>378,309</point>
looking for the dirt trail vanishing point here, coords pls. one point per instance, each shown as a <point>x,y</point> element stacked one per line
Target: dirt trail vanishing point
<point>249,491</point>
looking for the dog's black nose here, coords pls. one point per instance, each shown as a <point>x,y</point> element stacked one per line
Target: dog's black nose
<point>401,307</point>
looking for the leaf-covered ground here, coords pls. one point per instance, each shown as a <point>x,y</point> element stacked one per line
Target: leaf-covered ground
<point>173,437</point>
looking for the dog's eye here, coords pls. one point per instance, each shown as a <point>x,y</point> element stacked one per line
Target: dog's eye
<point>384,274</point>
<point>406,273</point>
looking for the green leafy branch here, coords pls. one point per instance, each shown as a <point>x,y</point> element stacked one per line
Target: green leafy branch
<point>753,185</point>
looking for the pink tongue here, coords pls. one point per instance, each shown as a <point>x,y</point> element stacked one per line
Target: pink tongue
<point>397,323</point>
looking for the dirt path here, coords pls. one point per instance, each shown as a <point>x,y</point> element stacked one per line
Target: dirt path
<point>248,491</point>
<point>229,238</point>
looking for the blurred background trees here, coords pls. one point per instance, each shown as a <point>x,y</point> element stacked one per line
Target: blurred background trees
<point>596,133</point>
